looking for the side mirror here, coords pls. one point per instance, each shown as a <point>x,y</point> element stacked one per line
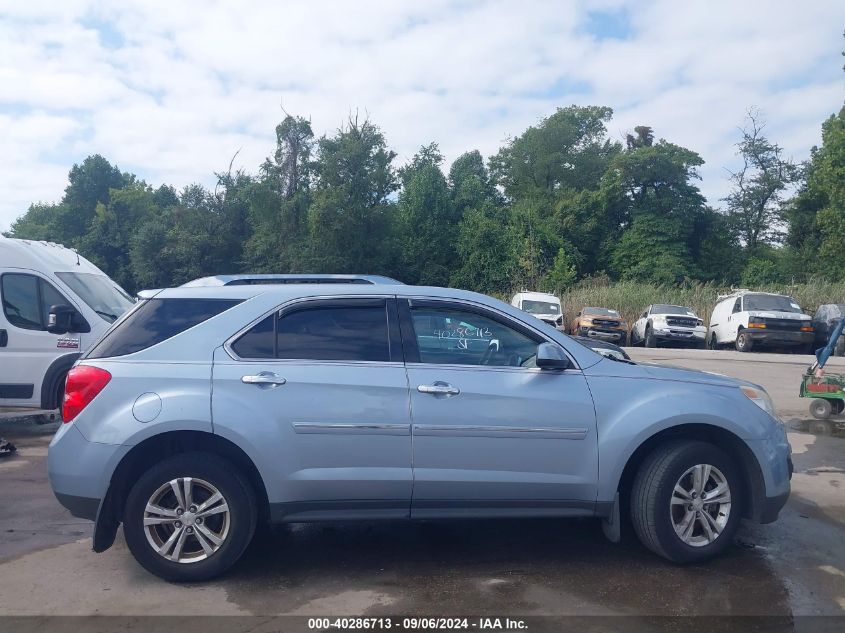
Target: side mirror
<point>61,319</point>
<point>552,357</point>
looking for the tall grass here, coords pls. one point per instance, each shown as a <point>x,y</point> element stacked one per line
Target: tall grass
<point>630,298</point>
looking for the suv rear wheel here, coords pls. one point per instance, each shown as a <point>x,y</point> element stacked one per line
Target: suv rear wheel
<point>189,517</point>
<point>686,501</point>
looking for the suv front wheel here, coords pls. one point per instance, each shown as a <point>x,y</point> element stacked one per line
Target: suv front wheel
<point>686,501</point>
<point>189,517</point>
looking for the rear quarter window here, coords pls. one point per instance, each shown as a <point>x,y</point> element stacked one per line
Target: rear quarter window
<point>157,320</point>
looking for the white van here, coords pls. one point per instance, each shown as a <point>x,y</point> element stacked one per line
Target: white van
<point>55,304</point>
<point>747,319</point>
<point>542,305</point>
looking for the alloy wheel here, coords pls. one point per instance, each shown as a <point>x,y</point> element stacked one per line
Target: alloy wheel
<point>700,505</point>
<point>186,520</point>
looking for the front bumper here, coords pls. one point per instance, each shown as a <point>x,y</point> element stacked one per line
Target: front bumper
<point>680,335</point>
<point>780,337</point>
<point>613,336</point>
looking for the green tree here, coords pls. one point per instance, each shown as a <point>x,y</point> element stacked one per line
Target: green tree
<point>351,214</point>
<point>755,203</point>
<point>660,206</point>
<point>562,273</point>
<point>279,202</point>
<point>566,151</point>
<point>817,215</point>
<point>426,223</point>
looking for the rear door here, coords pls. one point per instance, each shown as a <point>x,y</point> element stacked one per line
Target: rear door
<point>318,390</point>
<point>493,434</point>
<point>27,349</point>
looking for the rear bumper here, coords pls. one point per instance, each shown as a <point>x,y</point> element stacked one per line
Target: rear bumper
<point>80,507</point>
<point>780,337</point>
<point>80,470</point>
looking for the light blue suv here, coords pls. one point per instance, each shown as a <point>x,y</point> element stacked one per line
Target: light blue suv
<point>206,411</point>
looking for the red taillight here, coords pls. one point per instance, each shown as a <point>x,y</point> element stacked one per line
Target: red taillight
<point>82,386</point>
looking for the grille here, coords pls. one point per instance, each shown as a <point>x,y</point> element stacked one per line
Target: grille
<point>682,321</point>
<point>605,323</point>
<point>792,325</point>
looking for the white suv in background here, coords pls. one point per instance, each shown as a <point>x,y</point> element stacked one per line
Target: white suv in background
<point>542,305</point>
<point>665,323</point>
<point>749,319</point>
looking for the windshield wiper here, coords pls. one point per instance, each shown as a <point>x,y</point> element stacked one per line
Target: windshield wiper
<point>108,315</point>
<point>619,360</point>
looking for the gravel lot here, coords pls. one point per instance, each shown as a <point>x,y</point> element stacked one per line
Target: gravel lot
<point>794,567</point>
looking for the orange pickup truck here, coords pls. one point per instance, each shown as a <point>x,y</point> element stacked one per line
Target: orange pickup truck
<point>601,323</point>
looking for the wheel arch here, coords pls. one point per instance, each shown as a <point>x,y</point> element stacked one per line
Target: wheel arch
<point>54,379</point>
<point>753,484</point>
<point>154,449</point>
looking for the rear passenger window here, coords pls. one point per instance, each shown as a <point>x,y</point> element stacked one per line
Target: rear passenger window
<point>323,332</point>
<point>259,342</point>
<point>157,320</point>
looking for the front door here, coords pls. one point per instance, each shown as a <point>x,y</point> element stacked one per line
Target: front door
<point>493,434</point>
<point>318,391</point>
<point>27,349</point>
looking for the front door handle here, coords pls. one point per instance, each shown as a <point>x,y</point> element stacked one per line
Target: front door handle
<point>439,389</point>
<point>264,378</point>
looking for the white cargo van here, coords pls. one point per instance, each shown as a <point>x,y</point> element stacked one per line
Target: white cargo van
<point>747,320</point>
<point>542,305</point>
<point>55,304</point>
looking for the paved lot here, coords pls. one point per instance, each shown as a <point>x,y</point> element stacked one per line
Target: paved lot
<point>793,567</point>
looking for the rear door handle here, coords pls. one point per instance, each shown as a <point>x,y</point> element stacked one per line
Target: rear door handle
<point>439,389</point>
<point>264,378</point>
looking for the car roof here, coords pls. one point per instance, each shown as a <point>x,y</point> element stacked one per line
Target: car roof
<point>46,257</point>
<point>288,278</point>
<point>540,296</point>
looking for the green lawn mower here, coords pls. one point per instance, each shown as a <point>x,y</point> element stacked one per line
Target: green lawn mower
<point>826,390</point>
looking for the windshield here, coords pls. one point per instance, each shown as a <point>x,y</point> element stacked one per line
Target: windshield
<point>101,294</point>
<point>600,312</point>
<point>665,308</point>
<point>778,303</point>
<point>540,307</point>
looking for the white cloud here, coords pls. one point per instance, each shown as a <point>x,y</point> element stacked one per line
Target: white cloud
<point>173,90</point>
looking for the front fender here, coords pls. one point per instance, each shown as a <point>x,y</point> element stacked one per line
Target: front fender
<point>631,410</point>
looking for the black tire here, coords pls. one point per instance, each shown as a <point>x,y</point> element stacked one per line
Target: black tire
<point>653,490</point>
<point>237,493</point>
<point>743,342</point>
<point>820,408</point>
<point>838,406</point>
<point>650,340</point>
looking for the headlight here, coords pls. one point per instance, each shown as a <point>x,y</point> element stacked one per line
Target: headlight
<point>760,398</point>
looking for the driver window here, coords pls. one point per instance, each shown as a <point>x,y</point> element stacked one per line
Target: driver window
<point>456,337</point>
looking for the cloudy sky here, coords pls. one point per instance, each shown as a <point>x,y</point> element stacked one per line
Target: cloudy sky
<point>171,90</point>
